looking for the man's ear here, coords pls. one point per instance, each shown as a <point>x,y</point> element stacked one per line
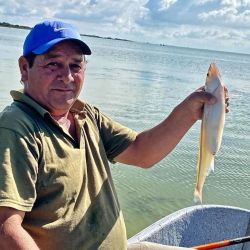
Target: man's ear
<point>24,67</point>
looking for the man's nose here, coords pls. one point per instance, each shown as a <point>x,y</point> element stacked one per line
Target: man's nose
<point>66,75</point>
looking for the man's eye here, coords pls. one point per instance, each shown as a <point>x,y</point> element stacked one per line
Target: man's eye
<point>76,67</point>
<point>53,64</point>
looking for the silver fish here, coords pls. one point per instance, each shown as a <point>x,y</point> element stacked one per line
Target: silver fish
<point>212,126</point>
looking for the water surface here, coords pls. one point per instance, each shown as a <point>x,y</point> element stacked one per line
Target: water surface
<point>138,85</point>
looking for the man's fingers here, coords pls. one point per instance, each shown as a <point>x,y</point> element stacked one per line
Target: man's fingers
<point>207,97</point>
<point>210,99</point>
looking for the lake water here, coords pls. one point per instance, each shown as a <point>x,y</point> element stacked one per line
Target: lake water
<point>138,85</point>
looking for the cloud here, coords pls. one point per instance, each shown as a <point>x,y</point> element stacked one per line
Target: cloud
<point>165,4</point>
<point>195,32</point>
<point>26,9</point>
<point>177,22</point>
<point>207,33</point>
<point>99,17</point>
<point>203,2</point>
<point>236,3</point>
<point>121,16</point>
<point>230,14</point>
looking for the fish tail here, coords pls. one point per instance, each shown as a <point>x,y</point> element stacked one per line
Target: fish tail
<point>197,196</point>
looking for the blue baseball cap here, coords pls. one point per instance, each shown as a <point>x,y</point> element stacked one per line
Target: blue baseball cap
<point>45,35</point>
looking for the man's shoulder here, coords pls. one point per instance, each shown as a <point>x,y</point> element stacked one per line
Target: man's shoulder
<point>13,117</point>
<point>10,113</point>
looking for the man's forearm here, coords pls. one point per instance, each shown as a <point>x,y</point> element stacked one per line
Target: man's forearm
<point>154,144</point>
<point>16,238</point>
<point>162,139</point>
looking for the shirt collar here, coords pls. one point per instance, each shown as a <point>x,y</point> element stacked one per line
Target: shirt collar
<point>18,95</point>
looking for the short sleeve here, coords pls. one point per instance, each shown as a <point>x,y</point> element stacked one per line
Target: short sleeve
<point>115,136</point>
<point>18,171</point>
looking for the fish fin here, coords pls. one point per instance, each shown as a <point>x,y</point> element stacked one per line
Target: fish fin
<point>211,167</point>
<point>197,196</point>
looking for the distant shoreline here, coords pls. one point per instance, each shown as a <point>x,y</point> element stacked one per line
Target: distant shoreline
<point>15,26</point>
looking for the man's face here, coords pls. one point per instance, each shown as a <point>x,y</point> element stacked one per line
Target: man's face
<point>56,77</point>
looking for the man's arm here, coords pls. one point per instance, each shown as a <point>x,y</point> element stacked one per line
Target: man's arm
<point>12,234</point>
<point>153,145</point>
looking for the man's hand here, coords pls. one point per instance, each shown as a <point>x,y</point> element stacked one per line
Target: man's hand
<point>194,103</point>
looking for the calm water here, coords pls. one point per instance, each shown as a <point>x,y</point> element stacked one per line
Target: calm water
<point>138,85</point>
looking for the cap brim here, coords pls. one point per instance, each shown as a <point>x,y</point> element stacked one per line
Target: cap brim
<point>45,47</point>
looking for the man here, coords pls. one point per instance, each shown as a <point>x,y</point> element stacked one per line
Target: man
<point>56,189</point>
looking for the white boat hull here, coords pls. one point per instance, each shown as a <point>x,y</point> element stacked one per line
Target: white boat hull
<point>199,225</point>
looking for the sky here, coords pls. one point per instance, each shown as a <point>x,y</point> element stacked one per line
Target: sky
<point>205,24</point>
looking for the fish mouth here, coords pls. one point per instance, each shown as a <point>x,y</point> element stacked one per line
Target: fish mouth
<point>213,71</point>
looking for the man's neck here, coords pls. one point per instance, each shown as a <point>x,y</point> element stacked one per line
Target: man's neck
<point>67,121</point>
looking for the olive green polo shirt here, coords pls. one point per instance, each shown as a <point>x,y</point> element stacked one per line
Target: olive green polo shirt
<point>64,186</point>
